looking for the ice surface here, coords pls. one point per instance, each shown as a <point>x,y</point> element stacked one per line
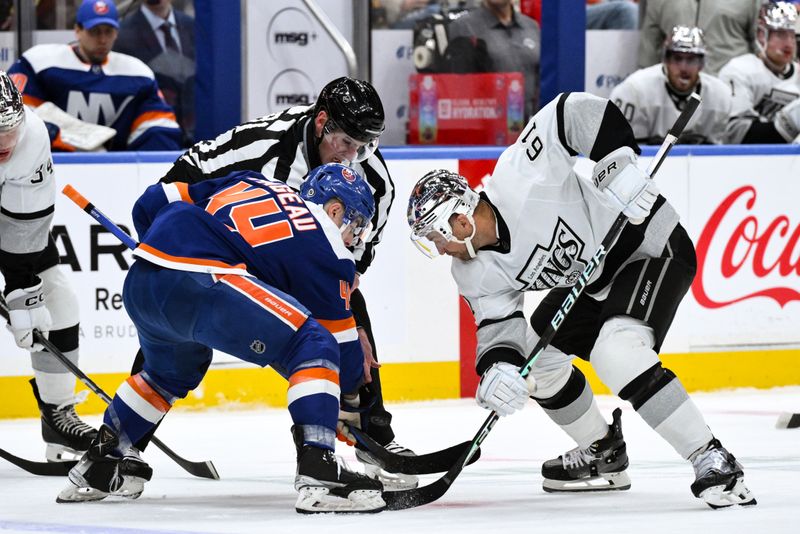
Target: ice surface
<point>501,493</point>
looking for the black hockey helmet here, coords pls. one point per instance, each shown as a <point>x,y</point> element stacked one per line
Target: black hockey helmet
<point>354,106</point>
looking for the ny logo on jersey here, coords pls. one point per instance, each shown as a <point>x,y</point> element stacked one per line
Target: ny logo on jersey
<point>558,263</point>
<point>99,109</point>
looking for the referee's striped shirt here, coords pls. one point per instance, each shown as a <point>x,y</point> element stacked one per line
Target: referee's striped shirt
<point>282,145</point>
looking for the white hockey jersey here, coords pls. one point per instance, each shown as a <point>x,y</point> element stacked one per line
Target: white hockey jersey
<point>650,109</point>
<point>27,197</point>
<point>758,93</point>
<point>550,220</point>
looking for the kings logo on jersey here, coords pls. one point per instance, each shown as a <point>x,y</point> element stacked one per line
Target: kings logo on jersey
<point>558,263</point>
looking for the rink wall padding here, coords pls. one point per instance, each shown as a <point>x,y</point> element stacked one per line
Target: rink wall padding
<point>738,326</point>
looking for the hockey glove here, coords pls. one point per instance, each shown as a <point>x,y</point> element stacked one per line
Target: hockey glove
<point>787,121</point>
<point>26,311</point>
<point>349,415</point>
<point>627,186</point>
<point>502,389</point>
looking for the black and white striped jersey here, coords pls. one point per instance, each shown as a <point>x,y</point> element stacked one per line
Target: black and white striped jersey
<point>27,203</point>
<point>551,221</point>
<point>282,146</point>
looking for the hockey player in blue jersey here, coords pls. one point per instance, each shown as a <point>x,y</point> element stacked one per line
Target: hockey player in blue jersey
<point>95,86</point>
<point>246,265</point>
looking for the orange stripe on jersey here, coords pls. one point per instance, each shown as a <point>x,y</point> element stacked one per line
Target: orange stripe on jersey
<point>191,261</point>
<point>148,393</point>
<point>32,101</point>
<point>60,144</point>
<point>338,325</point>
<point>151,116</point>
<point>183,189</point>
<point>314,373</point>
<point>269,301</point>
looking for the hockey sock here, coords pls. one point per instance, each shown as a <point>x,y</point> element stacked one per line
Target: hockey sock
<point>313,398</point>
<point>136,408</point>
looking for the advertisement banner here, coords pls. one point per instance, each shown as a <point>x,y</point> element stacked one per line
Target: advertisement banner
<point>466,109</point>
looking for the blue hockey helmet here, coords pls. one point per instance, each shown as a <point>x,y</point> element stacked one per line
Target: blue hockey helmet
<point>340,182</point>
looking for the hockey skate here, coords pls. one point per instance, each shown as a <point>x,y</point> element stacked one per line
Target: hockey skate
<point>100,474</point>
<point>719,478</point>
<point>599,467</point>
<point>325,484</point>
<point>390,481</point>
<point>66,435</point>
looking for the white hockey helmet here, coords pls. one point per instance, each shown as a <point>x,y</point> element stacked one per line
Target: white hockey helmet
<point>686,40</point>
<point>777,16</point>
<point>12,112</point>
<point>437,196</point>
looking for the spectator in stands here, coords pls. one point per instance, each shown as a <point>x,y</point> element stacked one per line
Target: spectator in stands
<point>612,15</point>
<point>163,37</point>
<point>729,27</point>
<point>405,14</point>
<point>766,85</point>
<point>652,98</point>
<point>91,97</point>
<point>512,42</point>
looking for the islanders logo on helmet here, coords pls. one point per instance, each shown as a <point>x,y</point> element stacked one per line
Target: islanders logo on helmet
<point>348,175</point>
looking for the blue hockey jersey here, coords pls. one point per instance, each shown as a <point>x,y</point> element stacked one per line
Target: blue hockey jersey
<point>253,226</point>
<point>121,93</point>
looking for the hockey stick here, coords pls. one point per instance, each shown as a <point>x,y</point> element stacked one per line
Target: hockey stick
<point>204,469</point>
<point>46,469</point>
<point>423,464</point>
<point>788,420</point>
<point>400,500</point>
<point>435,462</point>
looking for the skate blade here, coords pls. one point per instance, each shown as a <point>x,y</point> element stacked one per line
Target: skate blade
<point>605,482</point>
<point>317,500</point>
<point>61,453</point>
<point>391,481</point>
<point>720,497</point>
<point>77,494</point>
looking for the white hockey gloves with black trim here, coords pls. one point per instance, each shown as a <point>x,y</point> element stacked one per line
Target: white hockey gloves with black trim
<point>787,121</point>
<point>503,389</point>
<point>26,311</point>
<point>627,186</point>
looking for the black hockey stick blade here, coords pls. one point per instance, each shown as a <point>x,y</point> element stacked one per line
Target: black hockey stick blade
<point>788,420</point>
<point>423,464</point>
<point>203,469</point>
<point>46,469</point>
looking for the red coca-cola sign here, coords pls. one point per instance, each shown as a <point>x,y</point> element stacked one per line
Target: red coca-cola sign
<point>736,245</point>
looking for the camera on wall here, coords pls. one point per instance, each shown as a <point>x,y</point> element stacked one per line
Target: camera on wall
<point>430,37</point>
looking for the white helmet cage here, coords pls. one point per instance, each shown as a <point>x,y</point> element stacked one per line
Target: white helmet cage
<point>437,196</point>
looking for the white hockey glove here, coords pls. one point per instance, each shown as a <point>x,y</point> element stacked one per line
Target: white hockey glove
<point>348,418</point>
<point>627,186</point>
<point>787,121</point>
<point>502,389</point>
<point>26,311</point>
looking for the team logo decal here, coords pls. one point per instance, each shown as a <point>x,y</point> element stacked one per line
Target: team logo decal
<point>258,346</point>
<point>100,7</point>
<point>558,263</point>
<point>349,175</point>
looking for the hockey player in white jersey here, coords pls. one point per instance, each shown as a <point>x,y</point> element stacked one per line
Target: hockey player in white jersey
<point>36,292</point>
<point>535,227</point>
<point>766,86</point>
<point>652,98</point>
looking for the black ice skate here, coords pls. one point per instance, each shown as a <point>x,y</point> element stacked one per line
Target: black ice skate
<point>390,481</point>
<point>325,484</point>
<point>599,467</point>
<point>100,474</point>
<point>719,478</point>
<point>66,435</point>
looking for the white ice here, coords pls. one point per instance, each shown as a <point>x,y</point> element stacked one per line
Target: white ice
<point>500,494</point>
